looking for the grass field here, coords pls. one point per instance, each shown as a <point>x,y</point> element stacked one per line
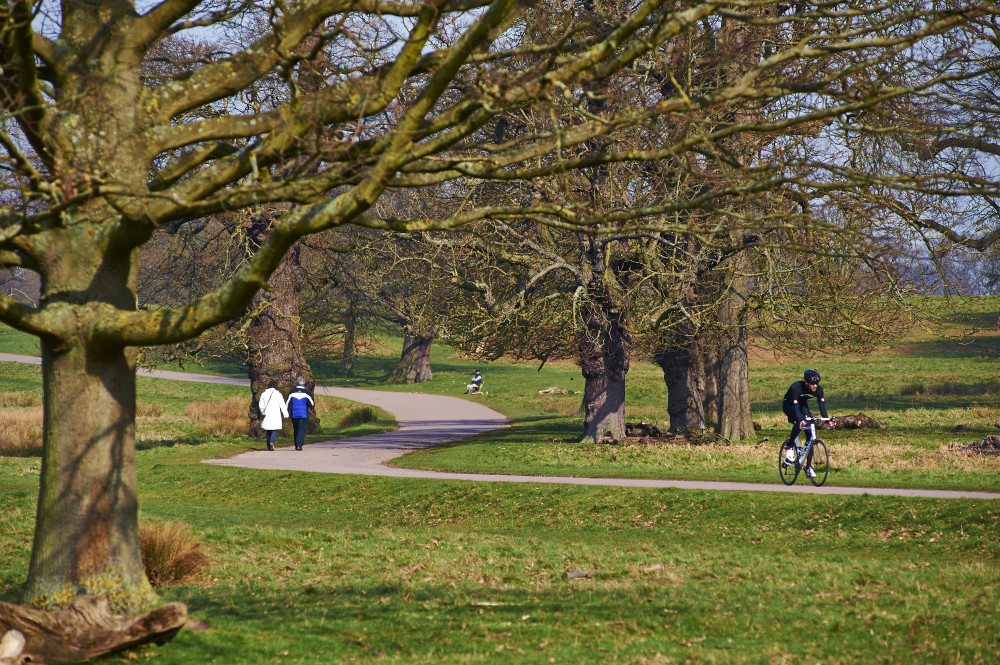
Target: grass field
<point>310,568</point>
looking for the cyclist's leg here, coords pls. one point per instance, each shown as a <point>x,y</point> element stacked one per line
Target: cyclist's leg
<point>792,438</point>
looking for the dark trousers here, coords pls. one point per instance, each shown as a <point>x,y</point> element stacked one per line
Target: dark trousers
<point>272,436</point>
<point>795,432</point>
<point>299,428</point>
<point>790,412</point>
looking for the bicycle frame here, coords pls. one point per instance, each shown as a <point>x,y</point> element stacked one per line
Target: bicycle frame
<point>803,451</point>
<point>807,455</point>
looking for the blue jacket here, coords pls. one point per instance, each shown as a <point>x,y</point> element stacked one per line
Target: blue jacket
<point>299,401</point>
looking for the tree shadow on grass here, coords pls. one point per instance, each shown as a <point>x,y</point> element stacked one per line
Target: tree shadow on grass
<point>168,443</point>
<point>378,620</point>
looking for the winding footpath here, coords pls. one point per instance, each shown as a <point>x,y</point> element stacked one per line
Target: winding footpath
<point>428,420</point>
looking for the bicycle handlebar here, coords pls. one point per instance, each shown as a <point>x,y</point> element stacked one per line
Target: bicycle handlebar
<point>818,419</point>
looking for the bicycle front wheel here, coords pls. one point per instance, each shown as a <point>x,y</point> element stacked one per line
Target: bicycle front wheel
<point>819,462</point>
<point>787,471</point>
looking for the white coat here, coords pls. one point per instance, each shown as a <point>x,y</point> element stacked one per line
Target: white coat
<point>272,405</point>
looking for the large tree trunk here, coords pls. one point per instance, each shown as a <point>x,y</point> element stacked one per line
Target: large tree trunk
<point>276,356</point>
<point>710,363</point>
<point>350,352</point>
<point>604,402</point>
<point>605,353</point>
<point>415,360</point>
<point>683,368</point>
<point>735,418</point>
<point>86,529</point>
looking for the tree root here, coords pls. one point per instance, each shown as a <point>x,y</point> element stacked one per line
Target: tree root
<point>86,629</point>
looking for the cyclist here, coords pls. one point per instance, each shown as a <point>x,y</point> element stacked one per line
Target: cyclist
<point>796,407</point>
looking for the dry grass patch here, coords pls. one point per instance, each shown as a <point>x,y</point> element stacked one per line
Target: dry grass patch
<point>879,456</point>
<point>19,399</point>
<point>170,555</point>
<point>148,410</point>
<point>773,421</point>
<point>227,417</point>
<point>21,431</point>
<point>883,457</point>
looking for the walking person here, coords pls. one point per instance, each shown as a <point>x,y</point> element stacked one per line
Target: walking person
<point>299,401</point>
<point>272,407</point>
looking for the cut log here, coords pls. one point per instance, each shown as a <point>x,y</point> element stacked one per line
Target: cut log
<point>87,629</point>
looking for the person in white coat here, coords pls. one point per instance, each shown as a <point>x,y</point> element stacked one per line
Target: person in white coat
<point>272,407</point>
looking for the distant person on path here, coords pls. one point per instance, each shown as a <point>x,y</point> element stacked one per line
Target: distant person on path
<point>476,385</point>
<point>272,407</point>
<point>796,407</point>
<point>299,401</point>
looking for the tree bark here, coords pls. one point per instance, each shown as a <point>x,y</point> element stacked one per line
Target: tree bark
<point>605,352</point>
<point>276,356</point>
<point>604,404</point>
<point>415,360</point>
<point>684,374</point>
<point>350,352</point>
<point>734,416</point>
<point>86,530</point>
<point>710,398</point>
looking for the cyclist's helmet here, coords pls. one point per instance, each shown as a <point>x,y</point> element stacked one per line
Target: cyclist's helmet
<point>811,376</point>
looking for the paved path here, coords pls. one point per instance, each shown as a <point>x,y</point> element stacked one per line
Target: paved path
<point>427,420</point>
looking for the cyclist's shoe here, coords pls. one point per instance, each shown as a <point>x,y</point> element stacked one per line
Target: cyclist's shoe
<point>810,473</point>
<point>790,456</point>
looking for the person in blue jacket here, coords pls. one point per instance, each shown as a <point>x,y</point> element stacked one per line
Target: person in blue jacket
<point>298,403</point>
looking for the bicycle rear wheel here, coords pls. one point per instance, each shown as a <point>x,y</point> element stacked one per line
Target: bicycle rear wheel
<point>787,471</point>
<point>819,461</point>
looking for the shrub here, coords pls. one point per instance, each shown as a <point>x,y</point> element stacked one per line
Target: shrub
<point>169,555</point>
<point>358,415</point>
<point>227,417</point>
<point>21,431</point>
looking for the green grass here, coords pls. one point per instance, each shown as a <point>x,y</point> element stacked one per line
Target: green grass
<point>316,568</point>
<point>311,568</point>
<point>13,341</point>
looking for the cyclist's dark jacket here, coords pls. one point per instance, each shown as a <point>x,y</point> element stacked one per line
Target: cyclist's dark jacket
<point>795,403</point>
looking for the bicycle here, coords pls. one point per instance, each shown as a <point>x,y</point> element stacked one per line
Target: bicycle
<point>811,456</point>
